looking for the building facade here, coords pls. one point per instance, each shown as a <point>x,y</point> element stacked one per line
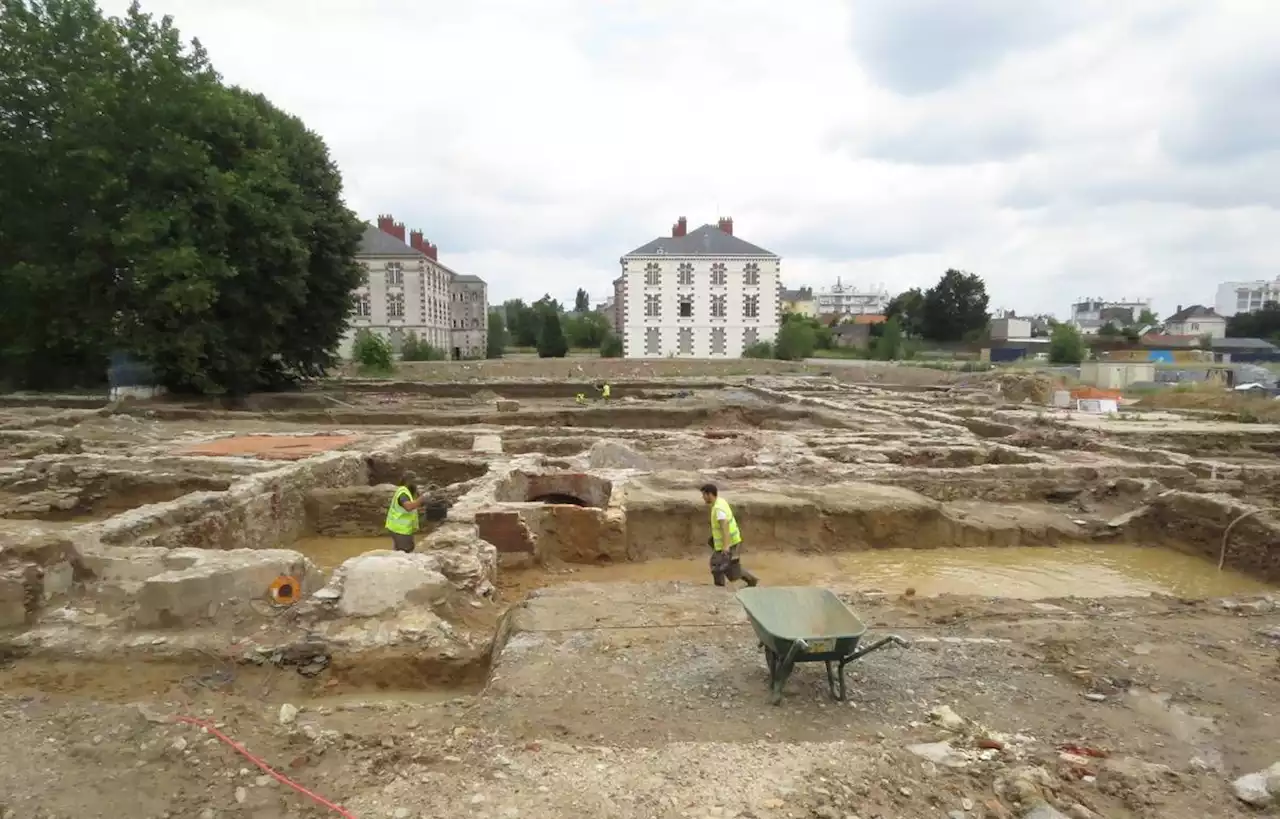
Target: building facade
<point>699,294</point>
<point>407,290</point>
<point>1091,315</point>
<point>1196,320</point>
<point>847,300</point>
<point>1245,297</point>
<point>800,301</point>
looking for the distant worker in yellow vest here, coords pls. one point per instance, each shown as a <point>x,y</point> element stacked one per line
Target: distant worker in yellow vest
<point>402,516</point>
<point>604,392</point>
<point>580,398</point>
<point>725,540</point>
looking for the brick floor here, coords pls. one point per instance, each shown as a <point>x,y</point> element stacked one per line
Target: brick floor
<point>270,447</point>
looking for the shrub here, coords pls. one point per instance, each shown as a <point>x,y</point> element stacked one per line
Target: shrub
<point>611,347</point>
<point>760,349</point>
<point>415,349</point>
<point>372,352</point>
<point>551,340</point>
<point>1065,345</point>
<point>795,341</point>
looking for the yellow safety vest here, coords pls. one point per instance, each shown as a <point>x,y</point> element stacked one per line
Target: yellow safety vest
<point>606,391</point>
<point>400,520</point>
<point>717,536</point>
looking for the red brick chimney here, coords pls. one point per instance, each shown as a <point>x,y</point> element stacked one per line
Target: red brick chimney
<point>397,230</point>
<point>726,224</point>
<point>431,251</point>
<point>415,239</point>
<point>386,223</point>
<point>680,228</point>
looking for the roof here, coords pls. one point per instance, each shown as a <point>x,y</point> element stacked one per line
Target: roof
<point>801,294</point>
<point>375,242</point>
<point>1164,340</point>
<point>707,240</point>
<point>467,278</point>
<point>850,329</point>
<point>1195,311</point>
<point>865,318</point>
<point>1241,344</point>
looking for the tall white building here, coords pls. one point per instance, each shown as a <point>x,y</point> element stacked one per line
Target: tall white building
<point>406,289</point>
<point>700,294</point>
<point>1091,315</point>
<point>848,300</point>
<point>1245,297</point>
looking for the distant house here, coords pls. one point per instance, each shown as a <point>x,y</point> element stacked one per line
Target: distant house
<point>800,302</point>
<point>1196,320</point>
<point>855,333</point>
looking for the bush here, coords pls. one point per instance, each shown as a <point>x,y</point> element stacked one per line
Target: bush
<point>611,347</point>
<point>760,349</point>
<point>372,352</point>
<point>415,349</point>
<point>796,340</point>
<point>888,347</point>
<point>551,340</point>
<point>496,339</point>
<point>1065,345</point>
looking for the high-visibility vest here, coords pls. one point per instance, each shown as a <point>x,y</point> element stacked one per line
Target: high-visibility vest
<point>606,391</point>
<point>400,520</point>
<point>717,536</point>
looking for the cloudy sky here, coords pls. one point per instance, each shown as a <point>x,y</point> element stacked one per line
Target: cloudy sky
<point>1114,148</point>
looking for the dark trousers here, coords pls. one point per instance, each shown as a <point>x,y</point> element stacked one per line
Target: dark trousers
<point>726,565</point>
<point>402,543</point>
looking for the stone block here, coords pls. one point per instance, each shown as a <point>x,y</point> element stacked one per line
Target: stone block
<point>210,580</point>
<point>505,405</point>
<point>506,531</point>
<point>13,598</point>
<point>381,582</point>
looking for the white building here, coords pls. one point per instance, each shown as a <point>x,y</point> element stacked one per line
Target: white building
<point>848,300</point>
<point>705,294</point>
<point>1196,320</point>
<point>1091,315</point>
<point>406,289</point>
<point>1245,297</point>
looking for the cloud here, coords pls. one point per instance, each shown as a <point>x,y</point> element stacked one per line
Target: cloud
<point>1057,149</point>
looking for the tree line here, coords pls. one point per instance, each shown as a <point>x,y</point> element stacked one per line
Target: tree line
<point>546,327</point>
<point>149,210</point>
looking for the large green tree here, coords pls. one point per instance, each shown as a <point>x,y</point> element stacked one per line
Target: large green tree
<point>908,308</point>
<point>1264,323</point>
<point>955,307</point>
<point>146,208</point>
<point>581,301</point>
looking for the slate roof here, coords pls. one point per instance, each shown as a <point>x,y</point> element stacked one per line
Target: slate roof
<point>375,242</point>
<point>467,278</point>
<point>707,240</point>
<point>1195,311</point>
<point>802,294</point>
<point>1259,344</point>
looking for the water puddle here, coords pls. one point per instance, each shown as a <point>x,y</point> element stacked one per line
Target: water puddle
<point>328,553</point>
<point>1021,573</point>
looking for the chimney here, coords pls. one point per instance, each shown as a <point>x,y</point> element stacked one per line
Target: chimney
<point>726,224</point>
<point>397,230</point>
<point>415,239</point>
<point>1179,310</point>
<point>680,228</point>
<point>431,251</point>
<point>387,223</point>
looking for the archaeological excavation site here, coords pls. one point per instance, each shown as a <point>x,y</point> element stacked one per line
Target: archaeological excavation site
<point>201,614</point>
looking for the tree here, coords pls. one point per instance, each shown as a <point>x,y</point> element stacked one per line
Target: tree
<point>888,347</point>
<point>611,347</point>
<point>581,302</point>
<point>954,307</point>
<point>1264,323</point>
<point>415,349</point>
<point>522,323</point>
<point>1065,345</point>
<point>551,342</point>
<point>795,341</point>
<point>496,341</point>
<point>1110,329</point>
<point>372,352</point>
<point>585,331</point>
<point>908,308</point>
<point>148,209</point>
<point>1147,318</point>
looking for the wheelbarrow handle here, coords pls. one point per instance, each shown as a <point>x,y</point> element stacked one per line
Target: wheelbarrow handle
<point>892,639</point>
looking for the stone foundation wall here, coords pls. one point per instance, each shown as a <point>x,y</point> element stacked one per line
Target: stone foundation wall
<point>1197,523</point>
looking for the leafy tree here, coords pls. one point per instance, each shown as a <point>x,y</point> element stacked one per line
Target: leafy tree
<point>415,349</point>
<point>522,323</point>
<point>954,307</point>
<point>496,340</point>
<point>581,302</point>
<point>372,352</point>
<point>796,340</point>
<point>908,308</point>
<point>551,342</point>
<point>1147,318</point>
<point>586,331</point>
<point>1264,323</point>
<point>888,347</point>
<point>611,347</point>
<point>1065,345</point>
<point>1111,330</point>
<point>148,209</point>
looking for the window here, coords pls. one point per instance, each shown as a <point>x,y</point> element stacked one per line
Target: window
<point>652,305</point>
<point>718,276</point>
<point>686,341</point>
<point>686,307</point>
<point>750,336</point>
<point>751,274</point>
<point>717,341</point>
<point>718,306</point>
<point>395,274</point>
<point>652,274</point>
<point>685,274</point>
<point>751,306</point>
<point>364,308</point>
<point>652,341</point>
<point>395,304</point>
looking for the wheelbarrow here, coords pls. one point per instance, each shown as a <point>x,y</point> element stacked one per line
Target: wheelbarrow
<point>803,624</point>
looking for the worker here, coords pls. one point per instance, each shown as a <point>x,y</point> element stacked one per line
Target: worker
<point>402,515</point>
<point>725,540</point>
<point>604,392</point>
<point>580,398</point>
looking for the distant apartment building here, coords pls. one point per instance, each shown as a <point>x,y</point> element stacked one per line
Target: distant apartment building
<point>1245,297</point>
<point>703,294</point>
<point>407,290</point>
<point>801,302</point>
<point>1091,315</point>
<point>847,300</point>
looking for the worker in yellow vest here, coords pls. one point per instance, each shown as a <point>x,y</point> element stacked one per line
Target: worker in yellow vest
<point>604,392</point>
<point>725,540</point>
<point>402,516</point>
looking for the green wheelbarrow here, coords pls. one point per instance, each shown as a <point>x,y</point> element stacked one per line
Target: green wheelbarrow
<point>803,624</point>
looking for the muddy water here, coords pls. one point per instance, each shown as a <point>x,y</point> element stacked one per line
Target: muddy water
<point>328,553</point>
<point>1028,574</point>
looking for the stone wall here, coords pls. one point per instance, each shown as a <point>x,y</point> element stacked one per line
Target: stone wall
<point>1197,523</point>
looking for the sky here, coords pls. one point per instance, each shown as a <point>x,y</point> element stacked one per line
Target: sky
<point>1096,148</point>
